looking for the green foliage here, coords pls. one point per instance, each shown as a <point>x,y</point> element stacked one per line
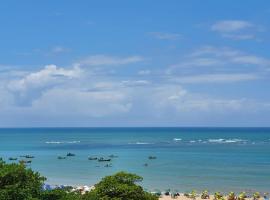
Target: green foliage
<point>242,196</point>
<point>191,194</point>
<point>60,194</point>
<point>205,194</point>
<point>231,196</point>
<point>218,196</point>
<point>256,196</point>
<point>18,182</point>
<point>121,186</point>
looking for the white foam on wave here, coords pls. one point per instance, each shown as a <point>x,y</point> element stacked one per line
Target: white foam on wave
<point>62,142</point>
<point>177,139</point>
<point>222,141</point>
<point>140,143</point>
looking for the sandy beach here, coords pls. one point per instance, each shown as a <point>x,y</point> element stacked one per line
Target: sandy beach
<point>182,197</point>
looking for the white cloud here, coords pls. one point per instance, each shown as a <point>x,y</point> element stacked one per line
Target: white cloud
<point>58,50</point>
<point>199,62</point>
<point>251,59</point>
<point>84,103</point>
<point>212,60</point>
<point>231,25</point>
<point>182,102</point>
<point>215,78</point>
<point>135,82</point>
<point>144,72</point>
<point>240,36</point>
<point>103,60</point>
<point>235,29</point>
<point>165,36</point>
<point>50,74</point>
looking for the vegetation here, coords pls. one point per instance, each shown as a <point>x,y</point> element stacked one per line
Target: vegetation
<point>205,195</point>
<point>256,196</point>
<point>20,183</point>
<point>218,196</point>
<point>17,182</point>
<point>231,196</point>
<point>242,196</point>
<point>120,186</point>
<point>191,195</point>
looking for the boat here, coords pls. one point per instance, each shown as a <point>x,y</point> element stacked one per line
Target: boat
<point>61,157</point>
<point>70,154</point>
<point>108,165</point>
<point>29,156</point>
<point>104,160</point>
<point>92,158</point>
<point>11,158</point>
<point>152,157</point>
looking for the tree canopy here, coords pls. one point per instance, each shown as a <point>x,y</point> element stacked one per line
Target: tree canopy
<point>17,182</point>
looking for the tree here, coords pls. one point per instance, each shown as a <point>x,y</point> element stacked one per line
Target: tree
<point>121,186</point>
<point>60,194</point>
<point>19,183</point>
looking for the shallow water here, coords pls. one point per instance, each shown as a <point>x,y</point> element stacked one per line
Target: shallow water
<point>215,158</point>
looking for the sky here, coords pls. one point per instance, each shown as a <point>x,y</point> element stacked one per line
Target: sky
<point>97,63</point>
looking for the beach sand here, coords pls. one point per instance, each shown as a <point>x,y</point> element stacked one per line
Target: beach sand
<point>182,197</point>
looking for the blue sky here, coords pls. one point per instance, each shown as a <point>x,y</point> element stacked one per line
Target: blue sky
<point>134,63</point>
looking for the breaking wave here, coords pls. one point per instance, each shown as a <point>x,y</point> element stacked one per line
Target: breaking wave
<point>62,142</point>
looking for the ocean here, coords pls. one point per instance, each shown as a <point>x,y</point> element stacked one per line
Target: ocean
<point>217,159</point>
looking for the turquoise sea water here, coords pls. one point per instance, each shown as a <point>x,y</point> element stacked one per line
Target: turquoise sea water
<point>187,158</point>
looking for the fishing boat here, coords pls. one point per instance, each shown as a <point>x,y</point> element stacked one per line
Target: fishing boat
<point>11,158</point>
<point>104,160</point>
<point>92,158</point>
<point>29,156</point>
<point>70,154</point>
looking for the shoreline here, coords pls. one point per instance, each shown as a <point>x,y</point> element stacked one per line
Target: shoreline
<point>182,197</point>
<point>169,196</point>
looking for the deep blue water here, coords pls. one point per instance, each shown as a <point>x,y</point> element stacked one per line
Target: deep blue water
<point>187,158</point>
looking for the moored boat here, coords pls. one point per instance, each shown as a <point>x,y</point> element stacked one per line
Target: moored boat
<point>92,158</point>
<point>70,154</point>
<point>104,159</point>
<point>11,158</point>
